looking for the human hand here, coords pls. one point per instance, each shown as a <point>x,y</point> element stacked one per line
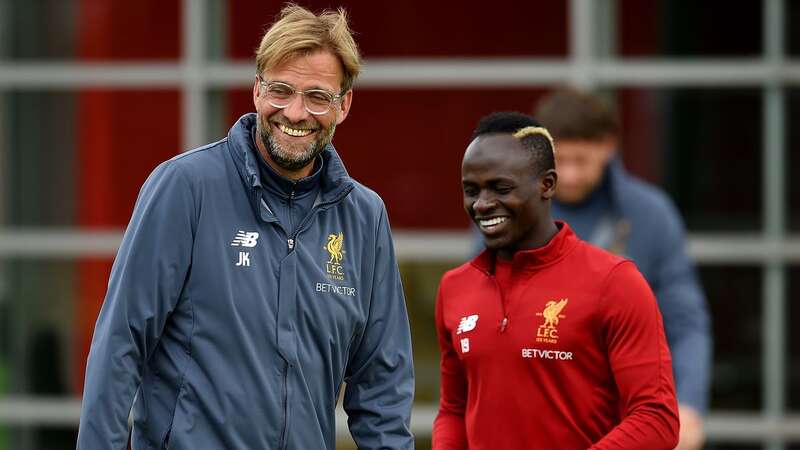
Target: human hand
<point>692,434</point>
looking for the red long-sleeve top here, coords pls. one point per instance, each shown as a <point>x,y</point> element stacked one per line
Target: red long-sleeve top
<point>563,348</point>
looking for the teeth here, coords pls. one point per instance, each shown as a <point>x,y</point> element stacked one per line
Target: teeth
<point>490,222</point>
<point>294,131</point>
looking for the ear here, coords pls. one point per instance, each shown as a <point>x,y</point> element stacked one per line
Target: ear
<point>547,184</point>
<point>256,91</point>
<point>608,147</point>
<point>344,109</point>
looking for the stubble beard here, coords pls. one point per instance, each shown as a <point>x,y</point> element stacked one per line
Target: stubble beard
<point>288,160</point>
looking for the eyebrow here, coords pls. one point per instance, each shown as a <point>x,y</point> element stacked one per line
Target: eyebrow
<point>312,88</point>
<point>491,181</point>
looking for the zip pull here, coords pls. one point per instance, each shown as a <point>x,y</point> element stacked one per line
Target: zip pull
<point>291,243</point>
<point>504,325</point>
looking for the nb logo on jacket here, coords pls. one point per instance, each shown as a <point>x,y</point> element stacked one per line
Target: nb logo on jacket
<point>245,239</point>
<point>467,323</point>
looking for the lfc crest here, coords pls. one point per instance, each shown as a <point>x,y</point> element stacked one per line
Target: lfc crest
<point>335,248</point>
<point>548,331</point>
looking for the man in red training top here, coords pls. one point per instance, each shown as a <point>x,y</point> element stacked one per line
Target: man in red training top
<point>547,342</point>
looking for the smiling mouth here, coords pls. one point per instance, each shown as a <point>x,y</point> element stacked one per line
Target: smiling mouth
<point>491,224</point>
<point>296,132</point>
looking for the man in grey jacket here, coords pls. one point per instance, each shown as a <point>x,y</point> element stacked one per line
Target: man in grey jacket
<point>256,277</point>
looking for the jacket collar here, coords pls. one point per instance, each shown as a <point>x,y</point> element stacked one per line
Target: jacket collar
<point>284,187</point>
<point>617,179</point>
<point>334,179</point>
<point>531,260</point>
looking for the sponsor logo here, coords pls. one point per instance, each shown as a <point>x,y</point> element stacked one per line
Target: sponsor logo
<point>548,331</point>
<point>465,345</point>
<point>245,239</point>
<point>334,268</point>
<point>335,248</point>
<point>334,289</point>
<point>536,353</point>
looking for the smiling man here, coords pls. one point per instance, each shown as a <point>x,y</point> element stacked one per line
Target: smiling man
<point>256,277</point>
<point>546,341</point>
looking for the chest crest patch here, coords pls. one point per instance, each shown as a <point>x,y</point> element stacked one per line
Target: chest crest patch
<point>548,331</point>
<point>335,248</point>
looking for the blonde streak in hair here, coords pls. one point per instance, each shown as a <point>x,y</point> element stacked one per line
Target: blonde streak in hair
<point>531,131</point>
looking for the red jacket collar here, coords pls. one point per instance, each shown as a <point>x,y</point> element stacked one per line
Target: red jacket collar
<point>561,244</point>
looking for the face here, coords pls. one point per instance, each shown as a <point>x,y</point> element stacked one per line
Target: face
<point>503,195</point>
<point>290,138</point>
<point>580,165</point>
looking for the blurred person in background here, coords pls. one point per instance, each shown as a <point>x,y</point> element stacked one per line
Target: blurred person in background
<point>546,342</point>
<point>608,207</point>
<point>255,277</point>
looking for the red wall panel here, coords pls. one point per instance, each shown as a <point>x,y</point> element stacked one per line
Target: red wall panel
<point>118,30</point>
<point>423,28</point>
<point>122,134</point>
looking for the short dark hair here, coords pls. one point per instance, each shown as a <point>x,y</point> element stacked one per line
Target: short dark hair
<point>510,122</point>
<point>570,113</point>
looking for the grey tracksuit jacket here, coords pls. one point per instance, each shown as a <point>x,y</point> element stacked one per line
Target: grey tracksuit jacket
<point>225,332</point>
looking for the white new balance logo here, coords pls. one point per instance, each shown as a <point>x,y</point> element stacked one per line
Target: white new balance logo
<point>245,239</point>
<point>467,324</point>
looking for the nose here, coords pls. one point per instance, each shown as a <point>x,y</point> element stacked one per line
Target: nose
<point>295,111</point>
<point>483,204</point>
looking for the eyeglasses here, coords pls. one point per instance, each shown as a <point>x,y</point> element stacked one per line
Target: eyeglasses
<point>281,95</point>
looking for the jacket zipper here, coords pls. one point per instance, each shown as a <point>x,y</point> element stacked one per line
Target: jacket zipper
<point>291,243</point>
<point>504,323</point>
<point>291,239</point>
<point>289,206</point>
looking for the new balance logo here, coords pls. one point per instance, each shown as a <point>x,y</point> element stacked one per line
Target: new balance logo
<point>467,324</point>
<point>245,239</point>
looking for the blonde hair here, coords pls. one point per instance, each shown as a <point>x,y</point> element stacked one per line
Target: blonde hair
<point>532,131</point>
<point>299,31</point>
